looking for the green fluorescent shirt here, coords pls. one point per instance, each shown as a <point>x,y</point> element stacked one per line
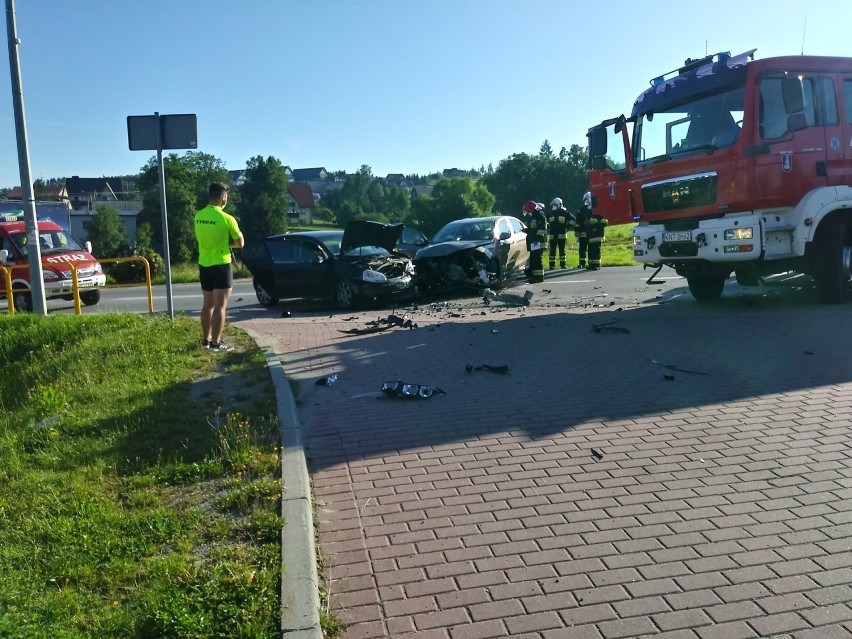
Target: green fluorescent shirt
<point>214,230</point>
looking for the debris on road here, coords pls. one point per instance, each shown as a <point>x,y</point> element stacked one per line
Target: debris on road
<point>405,390</point>
<point>607,327</point>
<point>501,368</point>
<point>672,367</point>
<point>509,299</point>
<point>381,324</point>
<point>326,381</point>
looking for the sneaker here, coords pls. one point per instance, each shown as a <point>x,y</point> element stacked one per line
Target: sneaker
<point>205,343</point>
<point>220,347</point>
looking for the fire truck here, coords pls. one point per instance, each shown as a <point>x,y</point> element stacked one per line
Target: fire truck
<point>735,165</point>
<point>58,252</point>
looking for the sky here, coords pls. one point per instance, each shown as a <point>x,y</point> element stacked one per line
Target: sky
<point>402,86</point>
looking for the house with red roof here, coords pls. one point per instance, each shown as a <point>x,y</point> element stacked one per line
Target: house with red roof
<point>300,204</point>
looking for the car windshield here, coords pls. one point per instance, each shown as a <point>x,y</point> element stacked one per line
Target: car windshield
<point>706,124</point>
<point>49,241</point>
<point>333,244</point>
<point>465,230</point>
<point>366,251</point>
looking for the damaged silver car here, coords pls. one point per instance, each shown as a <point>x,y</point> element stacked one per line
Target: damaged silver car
<point>477,253</point>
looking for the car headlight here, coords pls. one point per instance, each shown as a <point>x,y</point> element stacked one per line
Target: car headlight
<point>739,234</point>
<point>373,277</point>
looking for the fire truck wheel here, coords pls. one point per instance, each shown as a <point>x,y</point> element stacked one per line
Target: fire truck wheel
<point>23,301</point>
<point>706,289</point>
<point>90,298</point>
<point>833,262</point>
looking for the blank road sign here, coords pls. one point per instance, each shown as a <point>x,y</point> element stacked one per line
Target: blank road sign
<point>176,132</point>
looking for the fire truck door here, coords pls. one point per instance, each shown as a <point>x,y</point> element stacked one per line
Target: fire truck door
<point>792,162</point>
<point>840,136</point>
<point>610,185</point>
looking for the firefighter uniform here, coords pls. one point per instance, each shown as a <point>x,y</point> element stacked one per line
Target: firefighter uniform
<point>559,221</point>
<point>536,236</point>
<point>582,233</point>
<point>595,231</point>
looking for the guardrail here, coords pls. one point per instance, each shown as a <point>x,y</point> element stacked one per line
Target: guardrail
<point>9,291</point>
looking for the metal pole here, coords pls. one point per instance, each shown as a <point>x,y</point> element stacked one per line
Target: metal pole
<point>166,257</point>
<point>28,198</point>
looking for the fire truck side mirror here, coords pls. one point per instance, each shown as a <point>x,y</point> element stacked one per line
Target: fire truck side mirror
<point>88,247</point>
<point>796,122</point>
<point>3,255</point>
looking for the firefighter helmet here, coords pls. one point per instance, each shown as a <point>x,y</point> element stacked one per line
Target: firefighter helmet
<point>587,199</point>
<point>539,206</point>
<point>529,206</point>
<point>556,203</point>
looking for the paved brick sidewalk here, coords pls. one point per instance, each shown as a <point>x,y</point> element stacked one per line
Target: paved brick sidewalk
<point>688,479</point>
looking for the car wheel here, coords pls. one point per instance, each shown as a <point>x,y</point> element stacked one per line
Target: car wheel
<point>344,295</point>
<point>90,298</point>
<point>264,296</point>
<point>23,301</point>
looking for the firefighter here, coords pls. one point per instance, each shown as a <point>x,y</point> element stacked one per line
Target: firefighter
<point>595,232</point>
<point>536,231</point>
<point>582,227</point>
<point>559,220</point>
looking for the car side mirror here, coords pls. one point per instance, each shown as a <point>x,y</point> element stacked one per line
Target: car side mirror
<point>505,235</point>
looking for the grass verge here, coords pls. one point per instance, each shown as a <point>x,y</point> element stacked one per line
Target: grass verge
<point>140,485</point>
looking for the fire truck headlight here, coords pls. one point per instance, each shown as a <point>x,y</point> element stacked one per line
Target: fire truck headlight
<point>49,276</point>
<point>739,234</point>
<point>636,240</point>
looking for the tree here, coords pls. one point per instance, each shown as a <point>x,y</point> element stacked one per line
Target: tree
<point>452,199</point>
<point>187,179</point>
<point>541,177</point>
<point>263,205</point>
<point>107,234</point>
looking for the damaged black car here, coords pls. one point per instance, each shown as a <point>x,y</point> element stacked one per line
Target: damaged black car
<point>349,267</point>
<point>476,253</point>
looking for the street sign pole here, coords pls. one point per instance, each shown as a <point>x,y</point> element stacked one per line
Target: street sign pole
<point>39,303</point>
<point>166,253</point>
<point>158,132</point>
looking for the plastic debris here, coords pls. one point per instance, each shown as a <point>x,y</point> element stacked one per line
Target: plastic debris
<point>326,381</point>
<point>381,324</point>
<point>510,299</point>
<point>398,388</point>
<point>668,378</point>
<point>501,368</point>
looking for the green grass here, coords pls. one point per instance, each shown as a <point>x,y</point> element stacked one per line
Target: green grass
<point>140,484</point>
<point>616,250</point>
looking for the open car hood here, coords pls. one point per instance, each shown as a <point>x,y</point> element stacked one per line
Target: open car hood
<point>443,249</point>
<point>365,233</point>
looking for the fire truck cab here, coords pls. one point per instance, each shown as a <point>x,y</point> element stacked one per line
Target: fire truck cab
<point>731,165</point>
<point>58,252</point>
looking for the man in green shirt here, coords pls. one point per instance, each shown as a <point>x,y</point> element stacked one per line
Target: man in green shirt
<point>217,233</point>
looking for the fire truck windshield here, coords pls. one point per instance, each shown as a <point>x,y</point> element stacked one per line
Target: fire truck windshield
<point>50,242</point>
<point>704,124</point>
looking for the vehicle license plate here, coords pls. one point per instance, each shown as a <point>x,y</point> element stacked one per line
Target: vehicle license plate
<point>677,236</point>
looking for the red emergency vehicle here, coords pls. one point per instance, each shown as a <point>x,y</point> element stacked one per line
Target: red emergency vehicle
<point>735,165</point>
<point>58,252</point>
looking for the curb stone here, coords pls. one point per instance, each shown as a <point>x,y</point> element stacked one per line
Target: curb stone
<point>299,581</point>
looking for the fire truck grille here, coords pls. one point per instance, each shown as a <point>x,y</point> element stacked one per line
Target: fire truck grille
<point>681,193</point>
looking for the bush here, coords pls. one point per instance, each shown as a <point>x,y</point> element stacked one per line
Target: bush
<point>133,272</point>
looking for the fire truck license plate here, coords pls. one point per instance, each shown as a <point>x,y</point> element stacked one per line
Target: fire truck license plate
<point>677,236</point>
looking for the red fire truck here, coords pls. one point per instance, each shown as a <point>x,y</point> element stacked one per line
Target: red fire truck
<point>732,165</point>
<point>58,252</point>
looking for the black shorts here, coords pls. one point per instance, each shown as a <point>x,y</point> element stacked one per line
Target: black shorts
<point>215,277</point>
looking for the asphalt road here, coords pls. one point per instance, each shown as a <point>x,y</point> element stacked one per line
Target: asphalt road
<point>615,286</point>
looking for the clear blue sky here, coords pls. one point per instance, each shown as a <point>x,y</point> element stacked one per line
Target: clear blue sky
<point>404,86</point>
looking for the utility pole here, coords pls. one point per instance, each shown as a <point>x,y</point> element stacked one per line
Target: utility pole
<point>27,195</point>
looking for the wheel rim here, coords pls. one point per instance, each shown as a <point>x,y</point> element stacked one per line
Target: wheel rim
<point>344,294</point>
<point>263,295</point>
<point>23,302</point>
